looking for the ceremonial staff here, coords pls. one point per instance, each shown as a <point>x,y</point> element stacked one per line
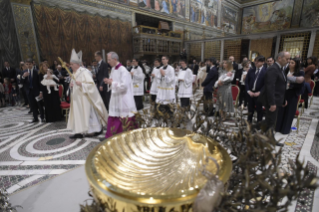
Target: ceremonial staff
<point>72,76</point>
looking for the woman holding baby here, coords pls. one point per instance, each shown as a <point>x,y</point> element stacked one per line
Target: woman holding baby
<point>49,87</point>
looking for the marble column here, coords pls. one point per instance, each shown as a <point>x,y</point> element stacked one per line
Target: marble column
<point>24,25</point>
<point>221,50</point>
<point>312,42</point>
<point>219,13</point>
<point>277,45</point>
<point>202,51</point>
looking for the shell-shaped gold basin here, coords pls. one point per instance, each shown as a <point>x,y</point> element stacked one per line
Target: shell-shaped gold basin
<point>154,166</point>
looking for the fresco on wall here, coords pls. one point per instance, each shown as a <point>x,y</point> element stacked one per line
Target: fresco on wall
<point>310,13</point>
<point>229,20</point>
<point>204,12</point>
<point>267,17</point>
<point>170,7</point>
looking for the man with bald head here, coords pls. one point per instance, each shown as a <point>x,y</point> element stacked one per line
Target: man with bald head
<point>273,94</point>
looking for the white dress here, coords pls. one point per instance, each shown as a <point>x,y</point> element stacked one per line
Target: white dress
<point>154,86</point>
<point>185,88</point>
<point>138,81</point>
<point>122,102</point>
<point>166,86</point>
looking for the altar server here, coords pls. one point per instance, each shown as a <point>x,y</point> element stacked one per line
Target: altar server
<point>138,77</point>
<point>185,83</point>
<point>166,88</point>
<point>155,72</point>
<point>122,103</point>
<point>84,117</point>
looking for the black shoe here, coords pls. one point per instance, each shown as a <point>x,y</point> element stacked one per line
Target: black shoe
<point>29,112</point>
<point>34,121</point>
<point>279,144</point>
<point>102,139</point>
<point>75,136</point>
<point>98,133</point>
<point>24,105</point>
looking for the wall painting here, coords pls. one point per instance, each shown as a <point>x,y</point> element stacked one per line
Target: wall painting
<point>229,19</point>
<point>267,17</point>
<point>174,8</point>
<point>310,13</point>
<point>204,12</point>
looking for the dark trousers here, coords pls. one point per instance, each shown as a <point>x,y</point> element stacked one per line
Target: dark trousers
<point>254,105</point>
<point>153,97</point>
<point>271,118</point>
<point>24,95</point>
<point>184,102</point>
<point>139,102</point>
<point>208,95</point>
<point>36,106</point>
<point>243,96</point>
<point>105,97</point>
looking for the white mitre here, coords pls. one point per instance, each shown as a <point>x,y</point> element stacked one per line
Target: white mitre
<point>76,57</point>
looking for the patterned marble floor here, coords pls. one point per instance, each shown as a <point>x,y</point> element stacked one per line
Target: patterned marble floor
<point>34,153</point>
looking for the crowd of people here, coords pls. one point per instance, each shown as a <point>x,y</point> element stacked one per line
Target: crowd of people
<point>270,87</point>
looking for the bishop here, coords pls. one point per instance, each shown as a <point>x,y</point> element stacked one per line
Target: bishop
<point>87,110</point>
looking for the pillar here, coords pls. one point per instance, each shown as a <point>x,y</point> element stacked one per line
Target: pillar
<point>277,45</point>
<point>202,51</point>
<point>24,25</point>
<point>222,50</point>
<point>219,14</point>
<point>312,42</point>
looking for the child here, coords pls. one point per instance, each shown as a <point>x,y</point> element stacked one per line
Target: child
<point>7,90</point>
<point>14,94</point>
<point>2,103</point>
<point>48,81</point>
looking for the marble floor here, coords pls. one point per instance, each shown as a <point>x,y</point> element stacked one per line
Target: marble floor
<point>43,170</point>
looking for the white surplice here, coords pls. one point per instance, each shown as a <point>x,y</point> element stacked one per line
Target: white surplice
<point>83,117</point>
<point>138,81</point>
<point>185,87</point>
<point>154,86</point>
<point>122,102</point>
<point>166,86</point>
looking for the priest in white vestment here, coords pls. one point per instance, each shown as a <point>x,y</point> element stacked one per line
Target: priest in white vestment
<point>185,84</point>
<point>84,117</point>
<point>154,85</point>
<point>138,77</point>
<point>166,85</point>
<point>122,104</point>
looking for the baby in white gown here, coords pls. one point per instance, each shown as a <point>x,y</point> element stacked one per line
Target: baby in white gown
<point>48,81</point>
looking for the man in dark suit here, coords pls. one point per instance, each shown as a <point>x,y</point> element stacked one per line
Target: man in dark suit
<point>102,72</point>
<point>235,67</point>
<point>195,67</point>
<point>270,61</point>
<point>35,67</point>
<point>254,84</point>
<point>8,72</point>
<point>31,82</point>
<point>273,94</point>
<point>211,78</point>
